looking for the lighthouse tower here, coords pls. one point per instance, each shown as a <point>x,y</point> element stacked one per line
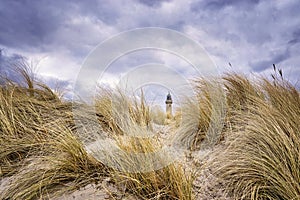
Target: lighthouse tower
<point>169,106</point>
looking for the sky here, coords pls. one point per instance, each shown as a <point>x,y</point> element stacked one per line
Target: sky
<point>59,36</point>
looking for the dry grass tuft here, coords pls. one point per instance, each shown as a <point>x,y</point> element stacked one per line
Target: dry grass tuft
<point>62,165</point>
<point>240,91</point>
<point>115,111</point>
<point>158,115</point>
<point>39,152</point>
<point>22,119</point>
<point>262,159</point>
<point>202,116</point>
<point>139,167</point>
<point>157,179</point>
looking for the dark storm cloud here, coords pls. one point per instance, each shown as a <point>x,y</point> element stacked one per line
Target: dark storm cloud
<point>239,31</point>
<point>275,58</point>
<point>250,32</point>
<point>45,25</point>
<point>295,37</point>
<point>106,11</point>
<point>245,19</point>
<point>216,5</point>
<point>152,3</point>
<point>8,64</point>
<point>29,23</point>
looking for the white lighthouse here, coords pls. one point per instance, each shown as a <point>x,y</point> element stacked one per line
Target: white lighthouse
<point>169,106</point>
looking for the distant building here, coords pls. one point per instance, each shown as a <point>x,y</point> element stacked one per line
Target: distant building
<point>169,106</point>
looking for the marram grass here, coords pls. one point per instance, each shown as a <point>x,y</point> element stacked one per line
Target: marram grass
<point>46,154</point>
<point>262,160</point>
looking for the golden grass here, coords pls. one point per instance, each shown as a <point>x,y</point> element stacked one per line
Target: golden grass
<point>138,168</point>
<point>22,118</point>
<point>171,182</point>
<point>240,91</point>
<point>158,115</point>
<point>158,179</point>
<point>115,110</point>
<point>262,159</point>
<point>38,148</point>
<point>202,116</point>
<point>42,152</point>
<point>62,165</point>
<point>45,153</point>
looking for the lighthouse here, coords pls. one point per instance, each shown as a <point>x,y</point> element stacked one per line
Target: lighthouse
<point>169,106</point>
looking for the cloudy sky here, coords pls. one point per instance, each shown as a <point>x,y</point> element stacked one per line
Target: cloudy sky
<point>57,36</point>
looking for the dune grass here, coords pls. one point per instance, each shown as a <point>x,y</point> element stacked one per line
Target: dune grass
<point>60,165</point>
<point>43,154</point>
<point>22,119</point>
<point>46,153</point>
<point>202,116</point>
<point>262,158</point>
<point>137,167</point>
<point>154,178</point>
